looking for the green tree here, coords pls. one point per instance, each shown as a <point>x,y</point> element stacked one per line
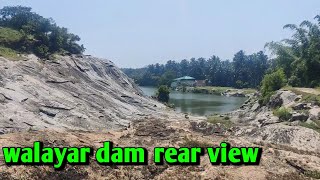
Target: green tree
<point>163,94</point>
<point>271,83</point>
<point>167,78</point>
<point>299,56</point>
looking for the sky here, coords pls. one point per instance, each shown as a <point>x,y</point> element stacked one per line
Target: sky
<point>141,32</point>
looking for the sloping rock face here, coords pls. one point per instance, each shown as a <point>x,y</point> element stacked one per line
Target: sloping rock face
<point>70,92</point>
<point>259,123</point>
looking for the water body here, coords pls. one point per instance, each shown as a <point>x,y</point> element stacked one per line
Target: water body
<point>200,104</point>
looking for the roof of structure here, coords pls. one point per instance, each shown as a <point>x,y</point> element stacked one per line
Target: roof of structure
<point>184,78</point>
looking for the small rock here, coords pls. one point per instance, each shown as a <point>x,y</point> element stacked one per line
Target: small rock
<point>2,98</point>
<point>48,111</point>
<point>299,117</point>
<point>314,113</point>
<point>255,107</point>
<point>301,106</point>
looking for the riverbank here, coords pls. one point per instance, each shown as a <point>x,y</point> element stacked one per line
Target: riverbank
<point>224,91</point>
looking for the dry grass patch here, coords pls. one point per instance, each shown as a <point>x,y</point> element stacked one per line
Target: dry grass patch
<point>222,120</point>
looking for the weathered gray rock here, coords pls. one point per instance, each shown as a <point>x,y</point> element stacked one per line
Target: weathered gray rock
<point>230,93</point>
<point>71,92</point>
<point>283,98</point>
<point>314,113</point>
<point>295,137</point>
<point>2,98</point>
<point>255,106</point>
<point>289,97</point>
<point>48,111</point>
<point>275,101</point>
<point>261,125</point>
<point>207,128</point>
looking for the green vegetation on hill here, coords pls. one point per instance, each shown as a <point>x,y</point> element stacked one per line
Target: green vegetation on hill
<point>8,53</point>
<point>9,36</point>
<point>24,31</point>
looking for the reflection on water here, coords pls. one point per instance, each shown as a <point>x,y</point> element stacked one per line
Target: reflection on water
<point>200,104</point>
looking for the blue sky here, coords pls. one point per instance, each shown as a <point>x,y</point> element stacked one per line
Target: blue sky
<point>140,32</point>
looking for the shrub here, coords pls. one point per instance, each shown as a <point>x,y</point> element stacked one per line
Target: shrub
<point>9,36</point>
<point>163,94</point>
<point>312,174</point>
<point>8,53</point>
<point>283,113</point>
<point>270,83</point>
<point>264,99</point>
<point>42,51</point>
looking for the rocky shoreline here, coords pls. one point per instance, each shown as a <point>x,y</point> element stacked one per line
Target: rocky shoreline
<point>84,101</point>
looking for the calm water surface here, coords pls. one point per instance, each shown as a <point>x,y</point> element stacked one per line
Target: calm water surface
<point>200,104</point>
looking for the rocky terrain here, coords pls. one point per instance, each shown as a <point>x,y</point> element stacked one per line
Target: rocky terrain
<point>79,93</point>
<point>84,101</point>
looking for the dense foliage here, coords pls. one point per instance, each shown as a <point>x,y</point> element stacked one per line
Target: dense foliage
<point>300,55</point>
<point>297,58</point>
<point>25,31</point>
<point>244,71</point>
<point>270,83</point>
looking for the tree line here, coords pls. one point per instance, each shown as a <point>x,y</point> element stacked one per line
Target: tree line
<point>25,31</point>
<point>295,62</point>
<point>243,71</point>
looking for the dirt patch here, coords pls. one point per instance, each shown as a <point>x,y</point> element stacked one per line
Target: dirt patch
<point>155,128</point>
<point>309,90</point>
<point>207,128</point>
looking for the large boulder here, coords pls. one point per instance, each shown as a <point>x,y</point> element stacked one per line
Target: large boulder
<point>314,113</point>
<point>283,98</point>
